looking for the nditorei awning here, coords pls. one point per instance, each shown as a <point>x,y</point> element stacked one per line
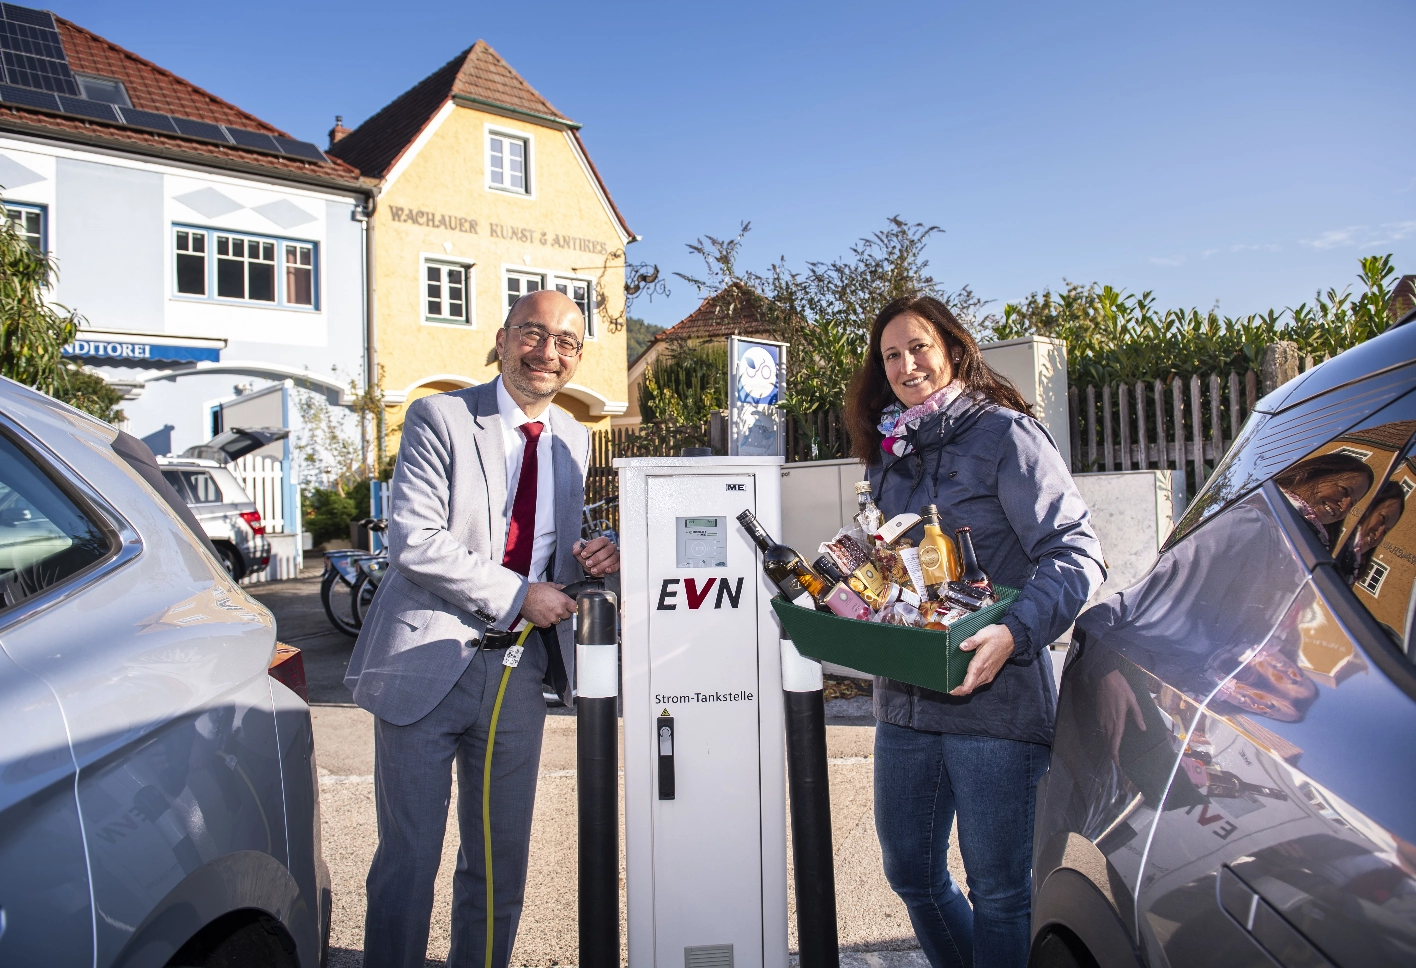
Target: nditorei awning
<point>120,349</point>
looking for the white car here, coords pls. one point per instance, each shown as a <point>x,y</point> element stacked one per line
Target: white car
<point>158,796</point>
<point>226,512</point>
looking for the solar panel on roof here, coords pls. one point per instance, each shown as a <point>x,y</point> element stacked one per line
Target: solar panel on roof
<point>30,99</point>
<point>34,69</point>
<point>251,139</point>
<point>33,55</point>
<point>300,149</point>
<point>28,15</point>
<point>98,110</point>
<point>148,119</point>
<point>200,129</point>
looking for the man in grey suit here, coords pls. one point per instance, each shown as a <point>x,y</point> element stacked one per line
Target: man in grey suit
<point>483,535</point>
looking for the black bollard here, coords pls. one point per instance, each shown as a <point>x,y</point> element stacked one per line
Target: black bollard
<point>597,776</point>
<point>812,856</point>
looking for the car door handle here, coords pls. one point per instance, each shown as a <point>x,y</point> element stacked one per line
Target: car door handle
<point>1265,925</point>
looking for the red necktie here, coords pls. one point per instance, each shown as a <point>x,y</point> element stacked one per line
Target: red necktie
<point>521,535</point>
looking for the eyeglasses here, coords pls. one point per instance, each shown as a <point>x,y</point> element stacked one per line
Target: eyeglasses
<point>532,335</point>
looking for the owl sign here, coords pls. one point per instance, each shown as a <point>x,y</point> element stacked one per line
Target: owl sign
<point>757,370</point>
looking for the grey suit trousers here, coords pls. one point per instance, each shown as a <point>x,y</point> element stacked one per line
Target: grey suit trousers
<point>412,786</point>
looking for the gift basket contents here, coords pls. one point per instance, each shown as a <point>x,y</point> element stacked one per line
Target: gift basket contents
<point>871,573</point>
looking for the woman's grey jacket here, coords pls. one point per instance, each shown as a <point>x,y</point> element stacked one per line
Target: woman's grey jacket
<point>999,473</point>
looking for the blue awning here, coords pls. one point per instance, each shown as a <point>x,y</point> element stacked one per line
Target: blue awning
<point>107,349</point>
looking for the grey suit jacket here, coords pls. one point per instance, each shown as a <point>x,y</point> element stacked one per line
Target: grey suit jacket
<point>446,537</point>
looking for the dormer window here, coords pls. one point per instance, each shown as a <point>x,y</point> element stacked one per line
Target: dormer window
<point>109,90</point>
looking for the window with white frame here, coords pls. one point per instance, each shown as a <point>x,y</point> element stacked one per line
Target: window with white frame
<point>29,222</point>
<point>191,262</point>
<point>446,288</point>
<point>518,284</point>
<point>579,292</point>
<point>1372,577</point>
<point>245,268</point>
<point>229,266</point>
<point>506,163</point>
<point>299,274</point>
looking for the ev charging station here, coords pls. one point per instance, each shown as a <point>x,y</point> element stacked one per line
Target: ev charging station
<point>704,771</point>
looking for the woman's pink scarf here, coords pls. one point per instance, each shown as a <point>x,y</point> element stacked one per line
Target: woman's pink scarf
<point>896,419</point>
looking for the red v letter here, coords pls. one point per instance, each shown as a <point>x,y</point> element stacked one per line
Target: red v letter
<point>695,597</point>
<point>1207,818</point>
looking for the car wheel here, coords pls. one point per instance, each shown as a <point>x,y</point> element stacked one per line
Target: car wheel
<point>231,561</point>
<point>1060,951</point>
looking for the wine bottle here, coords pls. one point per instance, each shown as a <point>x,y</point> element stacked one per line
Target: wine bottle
<point>784,567</point>
<point>938,558</point>
<point>868,516</point>
<point>833,594</point>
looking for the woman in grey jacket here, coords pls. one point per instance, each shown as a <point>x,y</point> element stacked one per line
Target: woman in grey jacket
<point>935,425</point>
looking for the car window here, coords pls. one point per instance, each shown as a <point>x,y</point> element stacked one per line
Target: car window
<point>1353,492</point>
<point>201,487</point>
<point>175,479</point>
<point>1379,562</point>
<point>44,537</point>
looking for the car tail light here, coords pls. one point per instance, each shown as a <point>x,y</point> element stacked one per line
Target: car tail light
<point>287,666</point>
<point>253,518</point>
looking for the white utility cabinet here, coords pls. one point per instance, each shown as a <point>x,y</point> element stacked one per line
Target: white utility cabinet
<point>703,715</point>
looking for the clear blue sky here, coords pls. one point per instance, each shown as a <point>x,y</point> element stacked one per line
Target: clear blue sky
<point>1244,153</point>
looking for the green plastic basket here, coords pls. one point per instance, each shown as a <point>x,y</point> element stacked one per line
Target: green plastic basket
<point>922,657</point>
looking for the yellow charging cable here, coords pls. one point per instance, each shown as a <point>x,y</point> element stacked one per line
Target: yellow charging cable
<point>510,661</point>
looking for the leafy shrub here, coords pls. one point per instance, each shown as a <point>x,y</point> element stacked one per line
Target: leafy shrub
<point>328,513</point>
<point>685,384</point>
<point>1114,335</point>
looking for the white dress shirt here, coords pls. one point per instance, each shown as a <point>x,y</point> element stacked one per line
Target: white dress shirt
<point>544,546</point>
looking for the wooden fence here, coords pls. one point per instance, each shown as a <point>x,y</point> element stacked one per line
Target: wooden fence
<point>648,440</point>
<point>1182,425</point>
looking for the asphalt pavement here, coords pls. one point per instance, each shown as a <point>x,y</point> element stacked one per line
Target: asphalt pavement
<point>873,926</point>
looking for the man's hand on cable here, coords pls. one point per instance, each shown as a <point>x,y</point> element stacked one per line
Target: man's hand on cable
<point>598,557</point>
<point>992,645</point>
<point>545,605</point>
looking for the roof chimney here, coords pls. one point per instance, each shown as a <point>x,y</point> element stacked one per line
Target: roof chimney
<point>338,131</point>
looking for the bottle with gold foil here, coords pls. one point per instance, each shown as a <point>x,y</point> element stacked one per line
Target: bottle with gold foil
<point>938,558</point>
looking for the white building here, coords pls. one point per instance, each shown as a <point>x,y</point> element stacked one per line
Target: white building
<point>214,258</point>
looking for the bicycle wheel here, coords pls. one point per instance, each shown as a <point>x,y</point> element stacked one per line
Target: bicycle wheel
<point>336,597</point>
<point>360,597</point>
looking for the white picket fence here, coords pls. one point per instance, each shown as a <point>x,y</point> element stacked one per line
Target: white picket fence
<point>263,479</point>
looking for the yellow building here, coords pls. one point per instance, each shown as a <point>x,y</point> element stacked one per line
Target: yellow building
<point>486,193</point>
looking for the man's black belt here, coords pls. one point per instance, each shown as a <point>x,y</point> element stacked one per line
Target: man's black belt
<point>493,639</point>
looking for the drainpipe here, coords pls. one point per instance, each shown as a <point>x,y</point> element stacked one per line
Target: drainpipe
<point>365,216</point>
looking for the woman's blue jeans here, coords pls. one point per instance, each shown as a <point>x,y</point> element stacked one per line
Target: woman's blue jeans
<point>921,781</point>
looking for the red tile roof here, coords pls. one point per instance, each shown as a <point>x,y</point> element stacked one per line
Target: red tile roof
<point>730,312</point>
<point>152,88</point>
<point>478,73</point>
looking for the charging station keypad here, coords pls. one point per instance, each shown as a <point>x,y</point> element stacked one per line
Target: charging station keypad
<point>702,542</point>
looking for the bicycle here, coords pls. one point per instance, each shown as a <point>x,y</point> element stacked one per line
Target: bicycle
<point>343,570</point>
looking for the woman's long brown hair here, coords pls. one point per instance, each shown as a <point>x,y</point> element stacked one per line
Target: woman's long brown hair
<point>870,392</point>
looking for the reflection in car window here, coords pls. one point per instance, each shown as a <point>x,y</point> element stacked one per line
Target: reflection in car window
<point>1380,561</point>
<point>44,537</point>
<point>201,488</point>
<point>1353,493</point>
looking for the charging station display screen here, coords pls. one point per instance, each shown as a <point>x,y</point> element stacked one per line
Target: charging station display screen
<point>702,542</point>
